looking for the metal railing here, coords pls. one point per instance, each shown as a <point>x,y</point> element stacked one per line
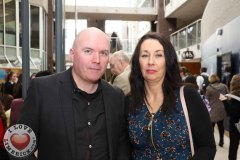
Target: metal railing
<point>187,36</point>
<point>114,3</point>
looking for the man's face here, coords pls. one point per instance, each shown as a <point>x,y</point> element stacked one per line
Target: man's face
<point>90,56</point>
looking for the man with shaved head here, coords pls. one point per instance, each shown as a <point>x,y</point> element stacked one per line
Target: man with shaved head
<point>75,114</point>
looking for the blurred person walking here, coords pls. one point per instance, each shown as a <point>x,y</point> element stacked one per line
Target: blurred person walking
<point>202,80</point>
<point>218,112</point>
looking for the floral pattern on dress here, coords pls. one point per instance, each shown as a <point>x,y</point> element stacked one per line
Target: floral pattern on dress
<point>169,132</point>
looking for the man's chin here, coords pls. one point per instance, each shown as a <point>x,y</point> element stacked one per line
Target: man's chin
<point>95,80</point>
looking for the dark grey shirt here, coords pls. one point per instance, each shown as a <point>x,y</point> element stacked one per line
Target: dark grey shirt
<point>90,125</point>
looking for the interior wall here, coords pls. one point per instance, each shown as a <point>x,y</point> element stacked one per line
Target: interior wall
<point>217,14</point>
<point>220,33</point>
<point>225,40</point>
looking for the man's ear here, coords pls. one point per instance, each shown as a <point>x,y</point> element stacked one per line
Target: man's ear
<point>71,54</point>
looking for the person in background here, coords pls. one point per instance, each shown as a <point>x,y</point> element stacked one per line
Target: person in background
<point>76,114</point>
<point>119,63</point>
<point>115,43</point>
<point>17,102</point>
<point>112,77</point>
<point>217,113</point>
<point>6,101</point>
<point>43,73</point>
<point>202,80</point>
<point>157,125</point>
<point>183,72</point>
<point>17,89</point>
<point>10,82</point>
<point>191,81</point>
<point>233,110</point>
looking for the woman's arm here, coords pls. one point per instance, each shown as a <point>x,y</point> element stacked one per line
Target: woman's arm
<point>202,131</point>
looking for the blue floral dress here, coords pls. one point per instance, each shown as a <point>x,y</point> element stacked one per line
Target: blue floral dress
<point>168,138</point>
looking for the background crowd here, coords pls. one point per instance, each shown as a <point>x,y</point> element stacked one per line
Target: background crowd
<point>151,82</point>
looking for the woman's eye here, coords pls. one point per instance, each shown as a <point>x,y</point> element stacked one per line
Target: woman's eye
<point>159,55</point>
<point>144,55</point>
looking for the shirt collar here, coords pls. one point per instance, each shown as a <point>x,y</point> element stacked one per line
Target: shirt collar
<point>78,90</point>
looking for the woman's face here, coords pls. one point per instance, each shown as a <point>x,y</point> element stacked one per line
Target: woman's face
<point>152,61</point>
<point>13,77</point>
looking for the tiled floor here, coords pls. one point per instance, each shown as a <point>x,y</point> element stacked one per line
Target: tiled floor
<point>222,152</point>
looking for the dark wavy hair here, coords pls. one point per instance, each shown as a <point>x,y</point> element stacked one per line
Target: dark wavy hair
<point>17,88</point>
<point>171,82</point>
<point>9,76</point>
<point>3,115</point>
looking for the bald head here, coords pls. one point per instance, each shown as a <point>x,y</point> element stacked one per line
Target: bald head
<point>89,32</point>
<point>89,55</point>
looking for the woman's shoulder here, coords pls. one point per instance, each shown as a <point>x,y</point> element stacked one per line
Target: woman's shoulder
<point>191,97</point>
<point>188,90</point>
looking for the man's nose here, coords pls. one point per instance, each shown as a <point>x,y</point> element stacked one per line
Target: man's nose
<point>96,57</point>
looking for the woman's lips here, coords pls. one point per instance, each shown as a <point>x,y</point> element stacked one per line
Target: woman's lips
<point>151,71</point>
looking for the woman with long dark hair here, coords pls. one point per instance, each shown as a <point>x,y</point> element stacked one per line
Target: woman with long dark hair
<point>157,124</point>
<point>10,82</point>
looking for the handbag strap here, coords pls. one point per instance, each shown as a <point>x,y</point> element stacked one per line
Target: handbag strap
<point>187,118</point>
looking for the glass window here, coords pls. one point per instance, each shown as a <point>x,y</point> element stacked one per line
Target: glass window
<point>182,39</point>
<point>199,32</point>
<point>10,22</point>
<point>34,27</point>
<point>191,35</point>
<point>11,54</point>
<point>3,60</point>
<point>124,34</point>
<point>71,26</point>
<point>111,3</point>
<point>1,22</point>
<point>44,31</point>
<point>174,41</point>
<point>20,24</point>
